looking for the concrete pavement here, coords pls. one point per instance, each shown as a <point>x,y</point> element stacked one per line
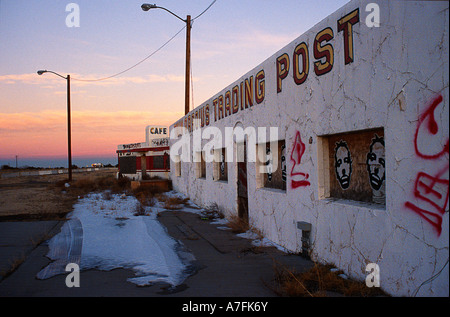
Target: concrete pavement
<point>226,265</point>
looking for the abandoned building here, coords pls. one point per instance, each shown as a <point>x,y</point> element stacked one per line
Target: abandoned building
<point>148,159</point>
<point>337,146</point>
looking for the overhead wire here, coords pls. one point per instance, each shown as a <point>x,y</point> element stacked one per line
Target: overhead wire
<point>138,63</point>
<point>148,56</point>
<point>205,10</point>
<point>191,72</point>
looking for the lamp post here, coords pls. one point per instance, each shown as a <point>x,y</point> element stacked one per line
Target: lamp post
<point>147,7</point>
<point>69,138</point>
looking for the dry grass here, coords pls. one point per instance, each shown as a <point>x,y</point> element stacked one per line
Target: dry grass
<point>212,212</point>
<point>237,224</point>
<point>149,195</point>
<point>140,210</point>
<point>319,281</point>
<point>174,203</point>
<point>87,184</point>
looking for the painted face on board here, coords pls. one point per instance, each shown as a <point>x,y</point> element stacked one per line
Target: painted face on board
<point>283,163</point>
<point>222,164</point>
<point>343,164</point>
<point>376,163</point>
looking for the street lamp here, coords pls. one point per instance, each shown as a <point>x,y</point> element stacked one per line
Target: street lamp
<point>146,7</point>
<point>40,72</point>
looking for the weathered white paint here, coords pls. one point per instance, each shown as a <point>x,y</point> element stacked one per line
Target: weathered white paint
<point>398,70</point>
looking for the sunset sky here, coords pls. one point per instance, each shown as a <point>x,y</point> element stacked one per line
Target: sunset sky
<point>227,41</point>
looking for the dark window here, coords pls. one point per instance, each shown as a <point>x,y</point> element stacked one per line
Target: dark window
<point>223,166</point>
<point>158,162</point>
<point>276,176</point>
<point>127,164</point>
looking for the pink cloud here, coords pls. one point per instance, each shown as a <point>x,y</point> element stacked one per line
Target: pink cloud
<point>93,132</point>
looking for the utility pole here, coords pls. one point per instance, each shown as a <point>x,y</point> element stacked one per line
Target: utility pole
<point>188,65</point>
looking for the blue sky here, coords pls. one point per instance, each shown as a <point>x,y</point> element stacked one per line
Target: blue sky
<point>230,39</point>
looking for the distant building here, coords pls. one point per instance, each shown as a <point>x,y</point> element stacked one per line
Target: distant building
<point>148,159</point>
<point>356,169</point>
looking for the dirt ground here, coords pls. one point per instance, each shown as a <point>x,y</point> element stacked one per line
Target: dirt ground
<point>39,197</point>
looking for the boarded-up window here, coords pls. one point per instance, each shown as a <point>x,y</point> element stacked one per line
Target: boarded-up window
<point>220,166</point>
<point>158,162</point>
<point>223,166</point>
<point>357,165</point>
<point>127,164</point>
<point>202,165</point>
<point>274,164</point>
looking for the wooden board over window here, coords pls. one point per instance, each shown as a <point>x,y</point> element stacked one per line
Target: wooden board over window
<point>357,165</point>
<point>277,178</point>
<point>127,164</point>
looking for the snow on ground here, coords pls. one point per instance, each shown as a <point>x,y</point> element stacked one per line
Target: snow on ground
<point>105,232</point>
<point>112,236</point>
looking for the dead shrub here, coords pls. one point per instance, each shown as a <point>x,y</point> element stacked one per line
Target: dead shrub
<point>212,212</point>
<point>121,184</point>
<point>173,203</point>
<point>237,224</point>
<point>145,199</point>
<point>319,281</point>
<point>87,184</point>
<point>146,195</point>
<point>140,210</point>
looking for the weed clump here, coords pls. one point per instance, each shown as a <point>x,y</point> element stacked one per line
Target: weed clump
<point>238,224</point>
<point>85,185</point>
<point>320,281</point>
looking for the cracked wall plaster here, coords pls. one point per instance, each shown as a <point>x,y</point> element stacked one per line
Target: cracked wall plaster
<point>398,69</point>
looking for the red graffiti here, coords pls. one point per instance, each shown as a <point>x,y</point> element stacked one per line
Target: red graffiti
<point>431,192</point>
<point>429,129</point>
<point>298,179</point>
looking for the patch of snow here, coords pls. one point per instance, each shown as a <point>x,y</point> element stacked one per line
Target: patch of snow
<point>113,237</point>
<point>261,242</point>
<point>220,221</point>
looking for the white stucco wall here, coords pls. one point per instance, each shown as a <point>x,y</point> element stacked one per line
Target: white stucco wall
<point>399,69</point>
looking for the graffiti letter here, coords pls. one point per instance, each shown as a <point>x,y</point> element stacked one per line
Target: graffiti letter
<point>433,190</point>
<point>427,130</point>
<point>298,178</point>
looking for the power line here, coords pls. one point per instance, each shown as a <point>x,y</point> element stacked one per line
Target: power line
<point>140,62</point>
<point>191,76</point>
<point>205,10</point>
<point>150,55</point>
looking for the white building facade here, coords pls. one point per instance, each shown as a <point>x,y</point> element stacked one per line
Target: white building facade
<point>357,167</point>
